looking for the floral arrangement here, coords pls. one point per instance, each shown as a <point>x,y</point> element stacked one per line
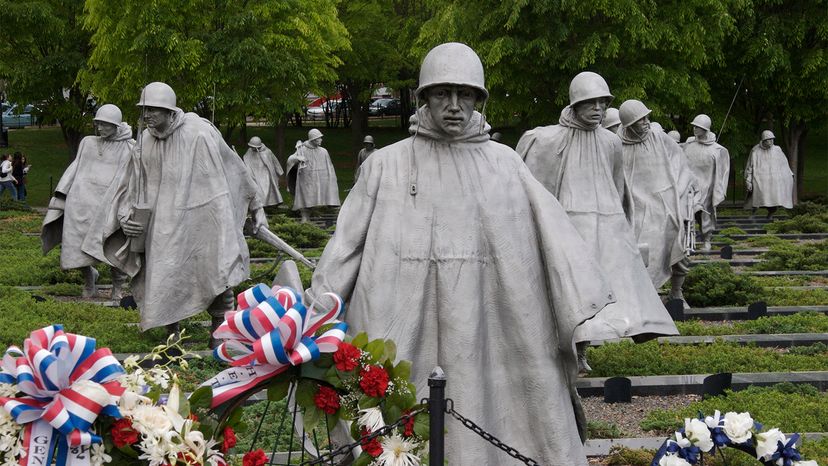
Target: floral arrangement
<point>69,404</point>
<point>736,430</point>
<point>273,341</point>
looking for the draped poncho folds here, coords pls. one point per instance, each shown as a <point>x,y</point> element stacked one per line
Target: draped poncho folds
<point>710,163</point>
<point>199,191</point>
<point>582,167</point>
<point>83,188</point>
<point>265,169</point>
<point>664,195</point>
<point>480,273</point>
<point>311,177</point>
<point>768,173</point>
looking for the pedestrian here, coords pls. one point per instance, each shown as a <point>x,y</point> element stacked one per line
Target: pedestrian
<point>20,170</point>
<point>7,180</point>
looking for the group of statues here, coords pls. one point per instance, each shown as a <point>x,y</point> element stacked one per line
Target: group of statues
<point>498,265</point>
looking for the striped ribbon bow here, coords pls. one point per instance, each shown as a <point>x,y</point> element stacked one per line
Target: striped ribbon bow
<point>271,331</point>
<point>65,384</point>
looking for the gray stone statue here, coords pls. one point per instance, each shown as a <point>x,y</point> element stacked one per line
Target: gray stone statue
<point>710,163</point>
<point>664,196</point>
<point>265,169</point>
<point>368,148</point>
<point>496,137</point>
<point>311,176</point>
<point>768,177</point>
<point>81,193</point>
<point>197,193</point>
<point>611,120</point>
<point>450,247</point>
<point>580,163</point>
<point>675,136</point>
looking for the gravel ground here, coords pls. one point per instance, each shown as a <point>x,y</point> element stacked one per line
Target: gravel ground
<point>628,416</point>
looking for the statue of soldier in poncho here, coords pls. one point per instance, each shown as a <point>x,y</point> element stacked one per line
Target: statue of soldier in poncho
<point>311,176</point>
<point>664,196</point>
<point>710,164</point>
<point>81,193</point>
<point>198,193</point>
<point>768,177</point>
<point>449,246</point>
<point>368,148</point>
<point>580,163</point>
<point>265,170</point>
<point>675,136</point>
<point>611,120</point>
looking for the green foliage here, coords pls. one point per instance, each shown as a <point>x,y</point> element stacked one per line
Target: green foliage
<point>603,429</point>
<point>802,322</point>
<point>651,358</point>
<point>63,289</point>
<point>805,223</point>
<point>808,256</point>
<point>789,297</point>
<point>809,208</point>
<point>764,241</point>
<point>716,285</point>
<point>791,408</point>
<point>732,231</point>
<point>623,456</point>
<point>300,235</point>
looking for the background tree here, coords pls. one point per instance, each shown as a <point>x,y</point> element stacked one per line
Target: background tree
<point>42,50</point>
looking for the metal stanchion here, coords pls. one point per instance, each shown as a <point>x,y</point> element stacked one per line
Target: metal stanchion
<point>436,417</point>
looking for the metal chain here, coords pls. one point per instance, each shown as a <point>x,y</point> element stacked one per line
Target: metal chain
<point>347,448</point>
<point>487,436</point>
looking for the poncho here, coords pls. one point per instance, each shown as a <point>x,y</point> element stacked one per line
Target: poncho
<point>582,167</point>
<point>710,164</point>
<point>480,273</point>
<point>265,170</point>
<point>84,185</point>
<point>199,191</point>
<point>361,157</point>
<point>314,181</point>
<point>768,172</point>
<point>663,197</point>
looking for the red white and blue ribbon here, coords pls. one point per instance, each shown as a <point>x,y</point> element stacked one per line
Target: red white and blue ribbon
<point>271,331</point>
<point>65,384</point>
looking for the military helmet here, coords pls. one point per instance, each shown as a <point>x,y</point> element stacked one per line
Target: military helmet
<point>452,63</point>
<point>767,134</point>
<point>675,135</point>
<point>611,118</point>
<point>702,121</point>
<point>631,111</point>
<point>255,142</point>
<point>158,94</point>
<point>109,114</point>
<point>314,134</point>
<point>368,139</point>
<point>586,86</point>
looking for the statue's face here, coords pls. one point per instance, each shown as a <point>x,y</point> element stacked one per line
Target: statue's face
<point>641,126</point>
<point>451,107</point>
<point>767,143</point>
<point>105,130</point>
<point>316,142</point>
<point>157,118</point>
<point>368,145</point>
<point>591,112</point>
<point>700,133</point>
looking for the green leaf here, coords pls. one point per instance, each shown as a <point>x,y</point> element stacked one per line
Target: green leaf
<point>311,417</point>
<point>402,370</point>
<point>305,392</point>
<point>312,371</point>
<point>360,340</point>
<point>201,398</point>
<point>278,391</point>
<point>376,349</point>
<point>366,402</point>
<point>421,425</point>
<point>390,350</point>
<point>364,459</point>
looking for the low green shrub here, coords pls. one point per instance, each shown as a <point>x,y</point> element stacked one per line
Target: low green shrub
<point>806,223</point>
<point>803,322</point>
<point>715,284</point>
<point>764,241</point>
<point>623,456</point>
<point>808,208</point>
<point>64,289</point>
<point>789,297</point>
<point>603,429</point>
<point>730,231</point>
<point>807,256</point>
<point>651,358</point>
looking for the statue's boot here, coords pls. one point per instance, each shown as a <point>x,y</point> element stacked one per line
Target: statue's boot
<point>583,365</point>
<point>221,305</point>
<point>707,238</point>
<point>90,277</point>
<point>118,280</point>
<point>676,283</point>
<point>305,215</point>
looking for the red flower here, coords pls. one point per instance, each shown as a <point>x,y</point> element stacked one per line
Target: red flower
<point>326,399</point>
<point>229,439</point>
<point>254,458</point>
<point>193,417</point>
<point>123,433</point>
<point>408,425</point>
<point>374,381</point>
<point>346,357</point>
<point>373,446</point>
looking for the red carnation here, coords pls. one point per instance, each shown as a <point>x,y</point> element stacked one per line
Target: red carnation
<point>254,458</point>
<point>229,439</point>
<point>346,357</point>
<point>326,399</point>
<point>373,446</point>
<point>123,433</point>
<point>408,425</point>
<point>374,381</point>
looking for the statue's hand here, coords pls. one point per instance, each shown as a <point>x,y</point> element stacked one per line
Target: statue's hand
<point>132,228</point>
<point>259,220</point>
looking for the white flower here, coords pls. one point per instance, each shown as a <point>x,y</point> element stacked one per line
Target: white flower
<point>371,418</point>
<point>805,463</point>
<point>698,433</point>
<point>172,407</point>
<point>159,376</point>
<point>672,460</point>
<point>766,444</point>
<point>131,362</point>
<point>134,382</point>
<point>131,400</point>
<point>396,451</point>
<point>8,390</point>
<point>98,455</point>
<point>714,421</point>
<point>151,420</point>
<point>738,427</point>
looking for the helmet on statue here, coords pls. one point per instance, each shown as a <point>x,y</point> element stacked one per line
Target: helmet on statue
<point>631,111</point>
<point>452,63</point>
<point>587,86</point>
<point>109,114</point>
<point>158,94</point>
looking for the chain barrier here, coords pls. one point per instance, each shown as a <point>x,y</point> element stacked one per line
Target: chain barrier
<point>487,436</point>
<point>344,449</point>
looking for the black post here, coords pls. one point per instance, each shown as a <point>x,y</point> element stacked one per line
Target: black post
<point>436,417</point>
<point>51,190</point>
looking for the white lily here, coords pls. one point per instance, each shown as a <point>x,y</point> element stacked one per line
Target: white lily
<point>371,418</point>
<point>397,451</point>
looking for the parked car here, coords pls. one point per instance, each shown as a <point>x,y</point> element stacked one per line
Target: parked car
<point>382,107</point>
<point>317,112</point>
<point>13,119</point>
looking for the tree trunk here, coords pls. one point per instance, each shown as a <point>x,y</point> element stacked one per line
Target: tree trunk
<point>243,134</point>
<point>72,137</point>
<point>405,107</point>
<point>359,113</point>
<point>794,138</point>
<point>280,138</point>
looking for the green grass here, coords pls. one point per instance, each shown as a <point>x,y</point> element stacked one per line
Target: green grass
<point>803,322</point>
